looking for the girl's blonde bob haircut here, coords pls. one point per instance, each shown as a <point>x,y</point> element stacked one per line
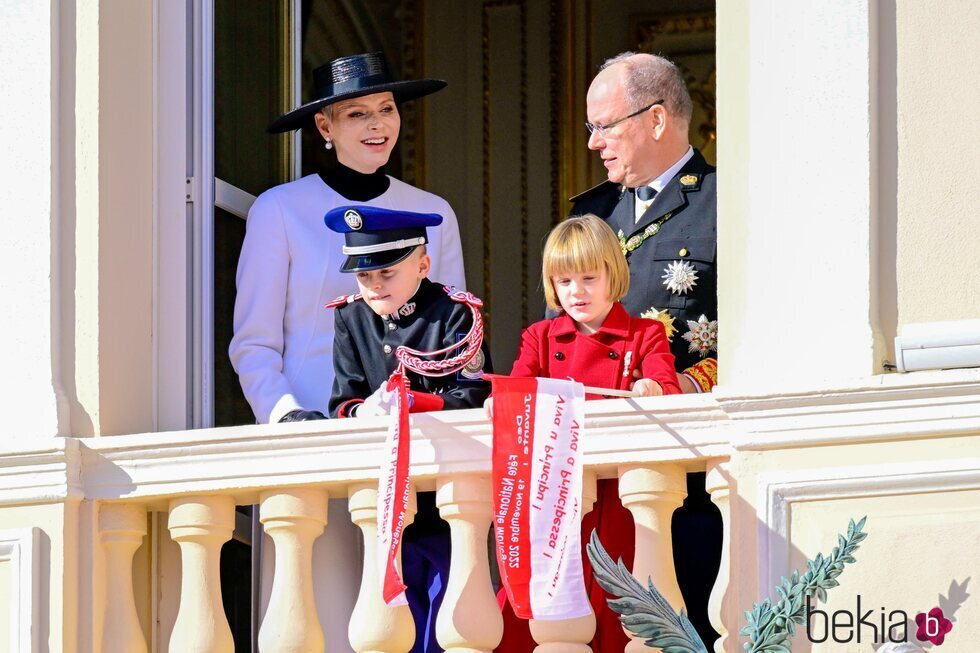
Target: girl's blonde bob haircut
<point>583,244</point>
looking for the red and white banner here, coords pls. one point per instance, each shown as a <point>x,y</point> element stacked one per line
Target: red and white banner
<point>393,490</point>
<point>537,482</point>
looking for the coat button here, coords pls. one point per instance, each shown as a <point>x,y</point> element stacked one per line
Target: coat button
<point>387,349</point>
<point>613,355</point>
<point>391,326</point>
<point>559,356</point>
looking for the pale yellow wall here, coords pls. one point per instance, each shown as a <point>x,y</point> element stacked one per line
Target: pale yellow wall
<point>126,179</point>
<point>28,116</point>
<point>918,542</point>
<point>733,156</point>
<point>107,229</point>
<point>5,602</point>
<point>918,546</point>
<point>56,521</point>
<point>806,239</point>
<point>143,580</point>
<point>938,234</point>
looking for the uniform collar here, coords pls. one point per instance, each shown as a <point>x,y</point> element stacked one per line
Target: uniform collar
<point>617,323</point>
<point>672,197</point>
<point>661,182</point>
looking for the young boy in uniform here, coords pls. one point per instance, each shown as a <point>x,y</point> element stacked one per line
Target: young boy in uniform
<point>398,306</point>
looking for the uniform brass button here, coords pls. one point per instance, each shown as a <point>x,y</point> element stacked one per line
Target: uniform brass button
<point>559,356</point>
<point>683,251</point>
<point>391,326</point>
<point>387,349</point>
<point>613,355</point>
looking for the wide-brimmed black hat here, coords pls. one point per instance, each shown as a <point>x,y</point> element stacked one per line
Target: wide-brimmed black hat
<point>350,77</point>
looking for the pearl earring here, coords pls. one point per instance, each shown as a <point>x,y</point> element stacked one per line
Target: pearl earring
<point>328,144</point>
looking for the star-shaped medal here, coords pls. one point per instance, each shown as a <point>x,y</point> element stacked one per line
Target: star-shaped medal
<point>664,318</point>
<point>680,277</point>
<point>703,336</point>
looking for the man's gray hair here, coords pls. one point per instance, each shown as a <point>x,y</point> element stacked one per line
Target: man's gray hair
<point>649,78</point>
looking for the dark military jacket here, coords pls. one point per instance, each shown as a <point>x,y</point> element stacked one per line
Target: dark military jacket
<point>663,251</point>
<point>365,343</point>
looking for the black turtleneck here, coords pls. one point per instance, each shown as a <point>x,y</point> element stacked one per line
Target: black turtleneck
<point>354,185</point>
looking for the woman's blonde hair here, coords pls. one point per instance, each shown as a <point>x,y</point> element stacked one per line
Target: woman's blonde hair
<point>581,244</point>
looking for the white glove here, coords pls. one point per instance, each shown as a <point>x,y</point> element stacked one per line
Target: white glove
<point>381,402</point>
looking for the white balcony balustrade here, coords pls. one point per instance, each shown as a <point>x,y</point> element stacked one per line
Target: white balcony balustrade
<point>293,518</point>
<point>201,525</point>
<point>569,635</point>
<point>375,626</point>
<point>121,528</point>
<point>652,493</point>
<point>469,620</point>
<point>717,483</point>
<point>291,469</point>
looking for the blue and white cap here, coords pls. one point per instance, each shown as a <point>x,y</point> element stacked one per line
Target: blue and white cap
<point>377,237</point>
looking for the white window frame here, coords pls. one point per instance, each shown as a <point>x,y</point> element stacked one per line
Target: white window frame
<point>184,201</point>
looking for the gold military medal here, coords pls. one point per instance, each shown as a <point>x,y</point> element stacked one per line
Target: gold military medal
<point>664,318</point>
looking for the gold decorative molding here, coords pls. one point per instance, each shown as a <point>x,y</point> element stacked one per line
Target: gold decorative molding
<point>488,6</point>
<point>574,54</point>
<point>687,39</point>
<point>556,73</point>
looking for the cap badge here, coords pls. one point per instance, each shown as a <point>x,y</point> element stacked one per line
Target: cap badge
<point>353,219</point>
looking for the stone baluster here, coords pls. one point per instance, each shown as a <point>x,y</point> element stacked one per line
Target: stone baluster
<point>293,518</point>
<point>200,525</point>
<point>717,483</point>
<point>121,530</point>
<point>374,626</point>
<point>569,635</point>
<point>469,620</point>
<point>652,493</point>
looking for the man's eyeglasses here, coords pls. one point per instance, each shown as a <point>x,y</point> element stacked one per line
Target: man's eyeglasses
<point>603,130</point>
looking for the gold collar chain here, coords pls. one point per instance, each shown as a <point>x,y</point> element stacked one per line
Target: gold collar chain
<point>635,241</point>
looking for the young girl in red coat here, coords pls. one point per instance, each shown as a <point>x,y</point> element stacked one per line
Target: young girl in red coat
<point>595,342</point>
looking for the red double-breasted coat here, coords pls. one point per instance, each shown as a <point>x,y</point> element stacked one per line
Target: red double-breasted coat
<point>605,359</point>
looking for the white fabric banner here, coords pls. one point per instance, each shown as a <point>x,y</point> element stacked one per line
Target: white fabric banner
<point>537,480</point>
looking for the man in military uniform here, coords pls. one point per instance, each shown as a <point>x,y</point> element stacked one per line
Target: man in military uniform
<point>661,200</point>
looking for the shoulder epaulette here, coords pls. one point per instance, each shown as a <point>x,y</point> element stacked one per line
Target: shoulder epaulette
<point>462,296</point>
<point>602,185</point>
<point>342,300</point>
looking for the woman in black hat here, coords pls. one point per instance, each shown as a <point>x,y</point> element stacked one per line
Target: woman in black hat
<point>289,267</point>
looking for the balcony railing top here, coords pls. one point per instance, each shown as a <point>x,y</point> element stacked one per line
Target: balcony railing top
<point>243,460</point>
<point>689,429</point>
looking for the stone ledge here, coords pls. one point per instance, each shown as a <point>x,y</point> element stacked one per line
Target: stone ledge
<point>690,430</point>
